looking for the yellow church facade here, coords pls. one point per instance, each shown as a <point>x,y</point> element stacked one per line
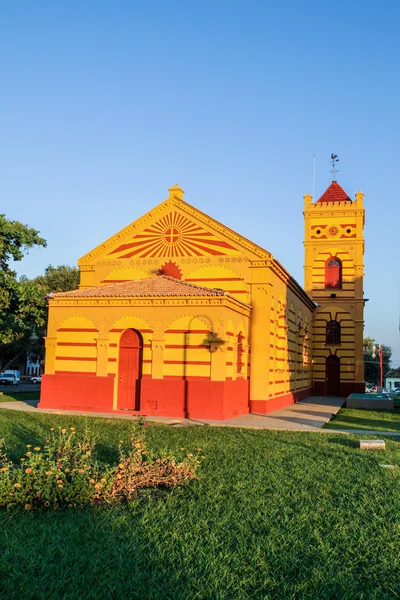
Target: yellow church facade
<point>177,315</point>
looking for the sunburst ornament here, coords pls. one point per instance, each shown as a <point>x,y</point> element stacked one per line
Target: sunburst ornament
<point>173,235</point>
<point>333,231</point>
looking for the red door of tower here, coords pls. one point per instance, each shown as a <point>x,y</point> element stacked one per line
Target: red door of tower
<point>129,370</point>
<point>332,376</point>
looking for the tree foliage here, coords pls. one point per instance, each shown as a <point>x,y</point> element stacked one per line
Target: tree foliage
<point>55,279</point>
<point>20,302</point>
<point>15,240</point>
<point>23,312</point>
<point>372,360</point>
<point>58,279</point>
<point>24,318</point>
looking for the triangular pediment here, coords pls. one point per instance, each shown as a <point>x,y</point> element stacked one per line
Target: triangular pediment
<point>173,229</point>
<point>173,235</point>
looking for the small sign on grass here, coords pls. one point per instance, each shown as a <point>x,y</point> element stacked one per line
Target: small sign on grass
<point>372,445</point>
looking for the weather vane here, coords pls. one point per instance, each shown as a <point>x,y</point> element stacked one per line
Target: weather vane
<point>334,160</point>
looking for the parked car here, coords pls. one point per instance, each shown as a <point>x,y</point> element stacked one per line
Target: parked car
<point>8,379</point>
<point>13,372</point>
<point>36,379</point>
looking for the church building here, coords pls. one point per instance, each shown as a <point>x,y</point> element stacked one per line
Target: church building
<point>177,315</point>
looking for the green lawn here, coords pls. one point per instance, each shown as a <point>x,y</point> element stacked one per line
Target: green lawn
<point>353,418</point>
<point>16,395</point>
<point>273,515</point>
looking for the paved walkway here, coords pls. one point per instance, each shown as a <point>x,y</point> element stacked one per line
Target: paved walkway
<point>308,415</point>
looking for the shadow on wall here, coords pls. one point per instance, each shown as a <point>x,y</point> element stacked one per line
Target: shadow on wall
<point>338,367</point>
<point>298,324</point>
<point>212,342</point>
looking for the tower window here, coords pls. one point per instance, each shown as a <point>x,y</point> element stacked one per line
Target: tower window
<point>333,332</point>
<point>333,274</point>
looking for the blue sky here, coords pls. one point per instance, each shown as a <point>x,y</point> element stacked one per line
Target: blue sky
<point>107,104</point>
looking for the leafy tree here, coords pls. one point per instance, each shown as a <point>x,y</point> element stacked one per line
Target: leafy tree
<point>372,360</point>
<point>15,240</point>
<point>58,279</point>
<point>20,303</point>
<point>55,279</point>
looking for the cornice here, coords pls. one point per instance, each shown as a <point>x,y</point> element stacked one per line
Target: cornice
<point>334,241</point>
<point>292,284</point>
<point>333,213</point>
<point>345,300</point>
<point>257,264</point>
<point>226,301</point>
<point>284,276</point>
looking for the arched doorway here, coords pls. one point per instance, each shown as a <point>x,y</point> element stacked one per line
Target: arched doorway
<point>332,376</point>
<point>129,370</point>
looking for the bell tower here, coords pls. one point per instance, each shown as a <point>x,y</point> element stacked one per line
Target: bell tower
<point>333,277</point>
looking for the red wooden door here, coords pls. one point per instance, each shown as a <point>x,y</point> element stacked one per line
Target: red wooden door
<point>332,376</point>
<point>129,370</point>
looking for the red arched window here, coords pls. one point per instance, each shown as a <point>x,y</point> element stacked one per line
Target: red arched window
<point>333,332</point>
<point>333,274</point>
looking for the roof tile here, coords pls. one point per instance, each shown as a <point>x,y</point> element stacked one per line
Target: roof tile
<point>160,285</point>
<point>334,193</point>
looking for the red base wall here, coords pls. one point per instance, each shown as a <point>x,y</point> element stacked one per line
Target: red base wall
<point>266,406</point>
<point>194,398</point>
<point>72,392</point>
<point>346,388</point>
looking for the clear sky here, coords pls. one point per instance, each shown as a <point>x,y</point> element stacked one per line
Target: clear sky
<point>104,105</point>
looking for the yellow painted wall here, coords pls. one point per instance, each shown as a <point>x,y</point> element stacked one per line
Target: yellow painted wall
<point>336,230</point>
<point>281,336</point>
<point>166,328</point>
<point>282,333</point>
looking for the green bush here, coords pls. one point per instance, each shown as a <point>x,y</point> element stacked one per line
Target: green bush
<point>64,471</point>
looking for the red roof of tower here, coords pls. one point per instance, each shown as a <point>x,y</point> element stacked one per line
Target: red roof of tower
<point>334,193</point>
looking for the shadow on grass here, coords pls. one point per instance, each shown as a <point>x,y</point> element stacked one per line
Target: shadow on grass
<point>28,397</point>
<point>364,423</point>
<point>21,435</point>
<point>124,555</point>
<point>344,441</point>
<point>106,450</point>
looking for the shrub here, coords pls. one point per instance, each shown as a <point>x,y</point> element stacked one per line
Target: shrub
<point>64,471</point>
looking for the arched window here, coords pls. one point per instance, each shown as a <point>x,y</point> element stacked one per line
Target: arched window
<point>333,274</point>
<point>333,332</point>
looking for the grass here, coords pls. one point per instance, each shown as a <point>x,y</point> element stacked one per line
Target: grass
<point>273,515</point>
<point>22,396</point>
<point>352,418</point>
